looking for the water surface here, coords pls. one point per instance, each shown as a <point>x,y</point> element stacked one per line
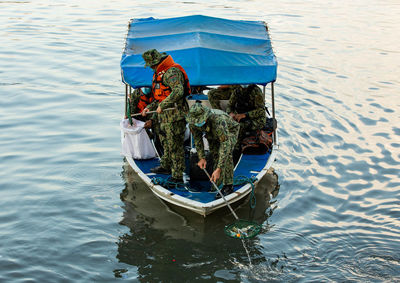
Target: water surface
<point>72,210</point>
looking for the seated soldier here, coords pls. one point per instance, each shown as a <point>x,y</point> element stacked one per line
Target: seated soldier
<point>138,100</point>
<point>222,92</point>
<point>247,107</point>
<point>197,89</point>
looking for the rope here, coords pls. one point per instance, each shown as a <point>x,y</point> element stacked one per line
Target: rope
<point>243,180</point>
<point>238,180</point>
<point>166,182</point>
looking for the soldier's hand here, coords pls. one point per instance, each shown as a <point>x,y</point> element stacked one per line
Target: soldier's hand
<point>239,117</point>
<point>202,163</point>
<point>148,124</point>
<point>216,174</point>
<point>159,110</point>
<point>232,115</point>
<point>144,112</point>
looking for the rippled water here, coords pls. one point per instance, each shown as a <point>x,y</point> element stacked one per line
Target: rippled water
<point>72,210</point>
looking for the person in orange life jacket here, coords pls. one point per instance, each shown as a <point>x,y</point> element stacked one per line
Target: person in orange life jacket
<point>138,100</point>
<point>170,86</point>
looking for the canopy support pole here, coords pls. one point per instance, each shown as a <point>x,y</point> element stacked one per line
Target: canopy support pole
<point>264,93</point>
<point>128,91</point>
<point>126,100</point>
<point>273,107</point>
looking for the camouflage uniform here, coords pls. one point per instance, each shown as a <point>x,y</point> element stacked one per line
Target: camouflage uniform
<point>133,105</point>
<point>134,100</point>
<point>172,122</point>
<point>221,133</point>
<point>249,101</point>
<point>221,93</point>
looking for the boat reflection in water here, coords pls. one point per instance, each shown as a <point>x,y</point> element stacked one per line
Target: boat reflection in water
<point>164,240</point>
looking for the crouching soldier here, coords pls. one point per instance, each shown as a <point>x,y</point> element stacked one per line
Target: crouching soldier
<point>248,108</point>
<point>138,100</point>
<point>222,92</point>
<point>221,132</point>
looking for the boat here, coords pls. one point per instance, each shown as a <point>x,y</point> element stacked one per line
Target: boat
<point>213,51</point>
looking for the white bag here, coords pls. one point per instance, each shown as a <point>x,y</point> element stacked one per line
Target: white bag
<point>135,141</point>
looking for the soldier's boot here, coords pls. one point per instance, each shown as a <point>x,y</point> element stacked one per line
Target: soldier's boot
<point>175,182</point>
<point>160,170</point>
<point>226,190</point>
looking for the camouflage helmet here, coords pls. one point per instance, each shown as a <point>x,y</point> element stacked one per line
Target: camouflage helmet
<point>153,57</point>
<point>198,114</point>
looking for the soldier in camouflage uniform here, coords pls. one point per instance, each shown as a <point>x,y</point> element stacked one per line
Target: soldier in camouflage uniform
<point>137,103</point>
<point>134,99</point>
<point>247,107</point>
<point>138,100</point>
<point>169,87</point>
<point>221,132</point>
<point>223,92</point>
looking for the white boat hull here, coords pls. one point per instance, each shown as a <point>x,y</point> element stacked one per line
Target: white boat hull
<point>203,209</point>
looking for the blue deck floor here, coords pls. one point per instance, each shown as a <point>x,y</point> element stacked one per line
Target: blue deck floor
<point>199,190</point>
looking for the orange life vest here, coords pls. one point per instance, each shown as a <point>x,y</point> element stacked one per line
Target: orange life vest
<point>143,101</point>
<point>161,91</point>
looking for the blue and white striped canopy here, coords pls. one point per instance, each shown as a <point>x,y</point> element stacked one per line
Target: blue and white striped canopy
<point>213,51</point>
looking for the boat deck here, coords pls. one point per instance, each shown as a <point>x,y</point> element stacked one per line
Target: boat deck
<point>200,190</point>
